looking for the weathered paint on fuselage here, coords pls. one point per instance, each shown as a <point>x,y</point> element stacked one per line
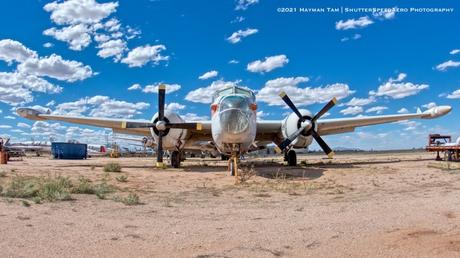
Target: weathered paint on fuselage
<point>234,121</point>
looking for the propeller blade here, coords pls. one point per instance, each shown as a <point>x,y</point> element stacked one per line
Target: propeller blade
<point>326,108</point>
<point>128,125</point>
<point>161,102</point>
<point>160,149</point>
<point>322,144</point>
<point>193,126</point>
<point>288,102</point>
<point>291,138</point>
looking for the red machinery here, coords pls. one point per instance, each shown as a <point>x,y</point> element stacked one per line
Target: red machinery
<point>443,143</point>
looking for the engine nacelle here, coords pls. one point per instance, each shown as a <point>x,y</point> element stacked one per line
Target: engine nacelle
<point>173,137</point>
<point>148,142</point>
<point>291,124</point>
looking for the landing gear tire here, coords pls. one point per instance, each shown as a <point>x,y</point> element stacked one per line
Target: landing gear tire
<point>291,158</point>
<point>175,159</point>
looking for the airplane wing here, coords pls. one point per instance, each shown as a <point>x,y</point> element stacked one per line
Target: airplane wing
<point>117,125</point>
<point>267,130</point>
<point>271,129</point>
<point>345,125</point>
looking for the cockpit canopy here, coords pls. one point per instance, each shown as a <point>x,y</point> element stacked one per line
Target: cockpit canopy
<point>235,102</point>
<point>234,90</point>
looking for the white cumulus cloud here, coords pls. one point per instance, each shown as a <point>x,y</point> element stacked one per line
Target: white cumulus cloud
<point>173,106</point>
<point>362,22</point>
<point>153,88</point>
<point>110,48</point>
<point>300,96</point>
<point>204,95</point>
<point>12,50</point>
<point>135,86</point>
<point>446,65</point>
<point>360,101</point>
<point>56,67</point>
<point>142,55</point>
<point>208,75</point>
<point>77,36</point>
<point>403,111</point>
<point>376,109</point>
<point>396,89</point>
<point>352,110</point>
<point>244,4</point>
<point>454,95</point>
<point>79,11</point>
<point>238,35</point>
<point>268,64</point>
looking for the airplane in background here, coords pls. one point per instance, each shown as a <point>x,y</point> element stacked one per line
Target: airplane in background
<point>233,129</point>
<point>20,148</point>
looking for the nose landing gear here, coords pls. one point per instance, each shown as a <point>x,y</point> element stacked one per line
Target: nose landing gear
<point>233,165</point>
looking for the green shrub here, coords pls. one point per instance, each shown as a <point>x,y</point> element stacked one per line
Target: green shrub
<point>84,186</point>
<point>130,200</point>
<point>122,178</point>
<point>57,189</point>
<point>102,189</point>
<point>22,187</point>
<point>25,203</point>
<point>112,167</point>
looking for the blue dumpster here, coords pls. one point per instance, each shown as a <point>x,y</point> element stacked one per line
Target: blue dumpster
<point>65,150</point>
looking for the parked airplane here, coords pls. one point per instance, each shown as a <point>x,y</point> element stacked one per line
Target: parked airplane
<point>19,149</point>
<point>233,129</point>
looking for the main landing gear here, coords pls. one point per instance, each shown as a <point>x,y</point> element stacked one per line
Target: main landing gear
<point>291,157</point>
<point>175,159</point>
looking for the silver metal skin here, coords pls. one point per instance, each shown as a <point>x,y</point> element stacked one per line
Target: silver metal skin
<point>234,124</point>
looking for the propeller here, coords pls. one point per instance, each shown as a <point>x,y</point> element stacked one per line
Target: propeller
<point>284,144</point>
<point>161,124</point>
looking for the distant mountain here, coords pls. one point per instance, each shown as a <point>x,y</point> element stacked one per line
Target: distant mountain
<point>337,149</point>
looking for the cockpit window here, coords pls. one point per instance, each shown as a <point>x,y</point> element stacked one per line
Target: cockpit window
<point>234,101</point>
<point>234,91</point>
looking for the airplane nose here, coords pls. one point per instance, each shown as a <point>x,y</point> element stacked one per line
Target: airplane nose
<point>233,121</point>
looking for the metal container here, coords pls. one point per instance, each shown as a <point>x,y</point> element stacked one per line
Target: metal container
<point>65,150</point>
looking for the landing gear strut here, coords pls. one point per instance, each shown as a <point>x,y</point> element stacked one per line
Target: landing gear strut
<point>175,159</point>
<point>233,165</point>
<point>291,158</point>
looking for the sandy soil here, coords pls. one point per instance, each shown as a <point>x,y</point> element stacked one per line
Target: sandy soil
<point>358,205</point>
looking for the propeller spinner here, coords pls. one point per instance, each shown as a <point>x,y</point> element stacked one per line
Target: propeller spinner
<point>161,125</point>
<point>312,131</point>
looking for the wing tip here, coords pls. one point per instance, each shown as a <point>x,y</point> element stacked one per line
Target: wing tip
<point>282,94</point>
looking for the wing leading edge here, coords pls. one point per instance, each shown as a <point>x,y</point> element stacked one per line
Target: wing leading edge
<point>117,125</point>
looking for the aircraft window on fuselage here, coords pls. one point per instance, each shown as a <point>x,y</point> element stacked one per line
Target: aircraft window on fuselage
<point>234,101</point>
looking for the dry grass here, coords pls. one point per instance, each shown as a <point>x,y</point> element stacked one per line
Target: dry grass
<point>39,188</point>
<point>122,178</point>
<point>112,167</point>
<point>130,200</point>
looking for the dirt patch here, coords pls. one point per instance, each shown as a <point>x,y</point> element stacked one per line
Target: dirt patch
<point>367,205</point>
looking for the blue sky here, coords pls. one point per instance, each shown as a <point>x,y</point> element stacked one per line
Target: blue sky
<point>87,59</point>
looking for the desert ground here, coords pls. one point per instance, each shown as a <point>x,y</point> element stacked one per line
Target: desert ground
<point>356,205</point>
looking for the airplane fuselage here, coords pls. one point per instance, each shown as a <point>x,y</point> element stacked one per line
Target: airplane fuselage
<point>234,124</point>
